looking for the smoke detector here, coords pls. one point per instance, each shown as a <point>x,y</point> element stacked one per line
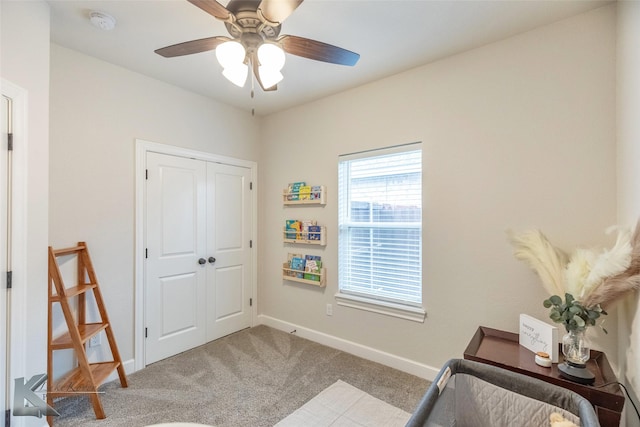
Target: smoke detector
<point>102,20</point>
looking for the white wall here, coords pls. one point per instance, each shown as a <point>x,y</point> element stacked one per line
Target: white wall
<point>628,127</point>
<point>24,62</point>
<point>97,111</point>
<point>517,134</point>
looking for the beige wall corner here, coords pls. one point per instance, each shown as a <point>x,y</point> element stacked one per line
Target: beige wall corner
<point>628,182</point>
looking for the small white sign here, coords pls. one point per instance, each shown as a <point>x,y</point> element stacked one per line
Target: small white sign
<point>537,335</point>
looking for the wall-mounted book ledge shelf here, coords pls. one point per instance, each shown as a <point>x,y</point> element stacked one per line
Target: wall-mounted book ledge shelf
<point>305,195</point>
<point>306,237</point>
<point>301,276</point>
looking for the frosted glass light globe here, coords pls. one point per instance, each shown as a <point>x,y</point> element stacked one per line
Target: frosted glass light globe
<point>236,74</point>
<point>271,55</point>
<point>230,54</point>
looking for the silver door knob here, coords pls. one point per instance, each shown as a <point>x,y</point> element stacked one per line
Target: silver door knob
<point>211,260</point>
<point>202,261</point>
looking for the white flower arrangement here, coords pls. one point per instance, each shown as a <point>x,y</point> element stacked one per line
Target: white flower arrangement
<point>593,277</point>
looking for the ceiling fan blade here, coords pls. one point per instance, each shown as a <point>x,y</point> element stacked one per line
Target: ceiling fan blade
<point>212,7</point>
<point>193,46</point>
<point>256,67</point>
<point>276,11</point>
<point>318,51</point>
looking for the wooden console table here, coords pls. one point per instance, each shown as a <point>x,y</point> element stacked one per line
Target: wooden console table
<point>502,349</point>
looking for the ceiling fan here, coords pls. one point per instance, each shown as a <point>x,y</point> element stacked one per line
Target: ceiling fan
<point>255,41</point>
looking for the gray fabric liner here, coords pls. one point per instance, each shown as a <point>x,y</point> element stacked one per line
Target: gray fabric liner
<point>511,381</point>
<point>480,403</point>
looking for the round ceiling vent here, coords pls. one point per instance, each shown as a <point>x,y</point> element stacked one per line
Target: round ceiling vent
<point>102,20</point>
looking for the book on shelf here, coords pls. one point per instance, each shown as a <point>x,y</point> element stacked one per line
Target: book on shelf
<point>294,190</point>
<point>316,192</point>
<point>314,232</point>
<point>290,258</point>
<point>305,192</point>
<point>312,266</point>
<point>292,229</point>
<point>306,223</point>
<point>298,265</point>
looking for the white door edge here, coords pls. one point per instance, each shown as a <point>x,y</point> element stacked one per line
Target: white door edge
<point>17,333</point>
<point>142,148</point>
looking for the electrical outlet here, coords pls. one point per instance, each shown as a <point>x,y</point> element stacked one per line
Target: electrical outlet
<point>329,310</point>
<point>94,341</point>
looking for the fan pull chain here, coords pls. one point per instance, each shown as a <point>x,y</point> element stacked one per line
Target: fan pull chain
<point>253,110</point>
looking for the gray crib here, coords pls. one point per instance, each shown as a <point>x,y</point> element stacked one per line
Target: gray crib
<point>472,394</point>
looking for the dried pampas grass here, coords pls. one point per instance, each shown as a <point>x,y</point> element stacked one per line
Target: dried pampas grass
<point>598,267</point>
<point>612,289</point>
<point>542,257</point>
<point>577,271</point>
<point>592,278</point>
<point>616,286</point>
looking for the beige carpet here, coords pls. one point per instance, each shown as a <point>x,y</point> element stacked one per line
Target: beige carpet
<point>342,405</point>
<point>253,378</point>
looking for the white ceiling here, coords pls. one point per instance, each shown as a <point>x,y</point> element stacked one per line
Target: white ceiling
<point>390,35</point>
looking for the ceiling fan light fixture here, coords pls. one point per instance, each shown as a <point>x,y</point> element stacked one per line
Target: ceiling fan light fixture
<point>256,25</point>
<point>269,76</point>
<point>236,74</point>
<point>271,55</point>
<point>230,54</point>
<point>271,58</point>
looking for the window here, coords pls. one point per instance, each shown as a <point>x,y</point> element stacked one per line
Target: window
<point>380,230</point>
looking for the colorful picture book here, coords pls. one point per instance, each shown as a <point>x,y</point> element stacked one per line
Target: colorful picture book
<point>293,227</point>
<point>314,232</point>
<point>313,264</point>
<point>298,265</point>
<point>305,192</point>
<point>306,223</point>
<point>290,258</point>
<point>316,192</point>
<point>294,190</point>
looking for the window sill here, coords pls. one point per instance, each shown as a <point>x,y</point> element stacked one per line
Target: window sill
<point>415,314</point>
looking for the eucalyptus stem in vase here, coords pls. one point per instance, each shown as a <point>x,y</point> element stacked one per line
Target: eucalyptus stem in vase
<point>572,314</point>
<point>576,318</point>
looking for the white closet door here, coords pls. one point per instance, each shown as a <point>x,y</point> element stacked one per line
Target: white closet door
<point>5,372</point>
<point>175,281</point>
<point>198,266</point>
<point>228,239</point>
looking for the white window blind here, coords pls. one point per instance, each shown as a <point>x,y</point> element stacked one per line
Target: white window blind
<point>380,225</point>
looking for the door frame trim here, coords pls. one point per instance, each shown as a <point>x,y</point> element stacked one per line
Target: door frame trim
<point>142,148</point>
<point>17,329</point>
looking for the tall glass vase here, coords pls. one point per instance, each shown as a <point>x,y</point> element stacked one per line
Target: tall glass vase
<point>575,347</point>
<point>576,350</point>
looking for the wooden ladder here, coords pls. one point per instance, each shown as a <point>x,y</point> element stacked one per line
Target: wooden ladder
<point>86,377</point>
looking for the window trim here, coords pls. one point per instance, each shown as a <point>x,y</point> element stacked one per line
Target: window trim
<point>403,310</point>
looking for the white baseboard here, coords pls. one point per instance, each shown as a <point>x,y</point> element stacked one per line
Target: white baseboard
<point>402,364</point>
